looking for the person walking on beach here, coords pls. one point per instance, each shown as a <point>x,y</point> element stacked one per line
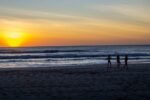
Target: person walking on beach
<point>109,61</point>
<point>118,61</point>
<point>126,61</point>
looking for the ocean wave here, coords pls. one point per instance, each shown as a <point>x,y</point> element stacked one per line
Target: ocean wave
<point>136,55</point>
<point>40,51</point>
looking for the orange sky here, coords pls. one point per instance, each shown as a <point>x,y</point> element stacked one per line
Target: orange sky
<point>114,23</point>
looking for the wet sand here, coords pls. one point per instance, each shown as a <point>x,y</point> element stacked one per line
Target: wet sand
<point>93,82</point>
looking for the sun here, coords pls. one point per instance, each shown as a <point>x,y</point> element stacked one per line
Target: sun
<point>14,39</point>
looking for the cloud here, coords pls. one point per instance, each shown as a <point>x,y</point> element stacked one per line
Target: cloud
<point>36,15</point>
<point>105,17</point>
<point>124,13</point>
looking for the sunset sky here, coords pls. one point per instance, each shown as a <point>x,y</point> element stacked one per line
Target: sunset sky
<point>74,22</point>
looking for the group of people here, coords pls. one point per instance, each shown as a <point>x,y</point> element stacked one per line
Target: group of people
<point>118,61</point>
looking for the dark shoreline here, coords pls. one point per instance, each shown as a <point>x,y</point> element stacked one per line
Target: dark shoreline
<point>92,66</point>
<point>93,82</point>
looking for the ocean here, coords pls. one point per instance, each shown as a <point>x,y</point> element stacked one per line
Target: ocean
<point>71,55</point>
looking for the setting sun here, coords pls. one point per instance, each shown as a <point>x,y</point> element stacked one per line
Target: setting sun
<point>14,39</point>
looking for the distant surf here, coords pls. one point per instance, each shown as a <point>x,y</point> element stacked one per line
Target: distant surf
<point>70,56</point>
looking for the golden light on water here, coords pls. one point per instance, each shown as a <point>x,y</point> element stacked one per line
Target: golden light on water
<point>14,39</point>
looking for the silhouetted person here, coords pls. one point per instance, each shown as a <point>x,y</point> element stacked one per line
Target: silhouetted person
<point>126,61</point>
<point>109,61</point>
<point>118,61</point>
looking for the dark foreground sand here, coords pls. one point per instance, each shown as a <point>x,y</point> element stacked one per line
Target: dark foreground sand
<point>85,83</point>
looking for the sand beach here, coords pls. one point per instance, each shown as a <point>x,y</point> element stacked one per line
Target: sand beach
<point>93,82</point>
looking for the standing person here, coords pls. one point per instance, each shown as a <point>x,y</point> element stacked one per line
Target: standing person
<point>109,61</point>
<point>126,61</point>
<point>118,61</point>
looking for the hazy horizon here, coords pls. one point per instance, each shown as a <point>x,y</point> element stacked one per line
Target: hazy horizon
<point>28,23</point>
<point>76,46</point>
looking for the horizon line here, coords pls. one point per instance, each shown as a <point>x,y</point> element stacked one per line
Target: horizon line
<point>79,45</point>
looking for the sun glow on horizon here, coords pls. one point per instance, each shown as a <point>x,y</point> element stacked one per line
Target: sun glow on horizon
<point>14,39</point>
